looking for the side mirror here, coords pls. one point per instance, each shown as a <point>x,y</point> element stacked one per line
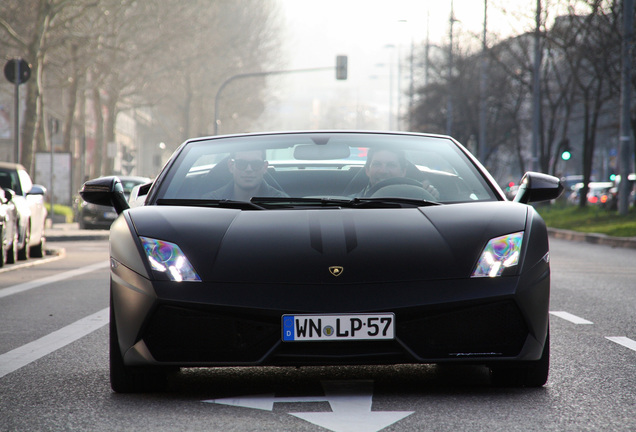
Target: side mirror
<point>106,191</point>
<point>536,187</point>
<point>6,195</point>
<point>37,189</point>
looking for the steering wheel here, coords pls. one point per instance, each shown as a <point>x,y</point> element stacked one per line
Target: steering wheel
<point>411,189</point>
<point>393,181</point>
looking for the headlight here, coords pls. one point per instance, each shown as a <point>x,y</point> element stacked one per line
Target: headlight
<point>166,257</point>
<point>500,253</point>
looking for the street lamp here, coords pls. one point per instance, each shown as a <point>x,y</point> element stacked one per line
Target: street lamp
<point>391,123</point>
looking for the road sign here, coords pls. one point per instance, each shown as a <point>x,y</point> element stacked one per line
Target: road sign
<point>23,70</point>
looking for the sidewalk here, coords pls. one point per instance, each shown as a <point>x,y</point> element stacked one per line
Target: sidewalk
<point>58,232</point>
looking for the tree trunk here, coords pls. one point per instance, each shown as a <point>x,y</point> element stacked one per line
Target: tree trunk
<point>99,149</point>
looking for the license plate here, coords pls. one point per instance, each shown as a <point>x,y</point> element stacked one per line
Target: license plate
<point>338,327</point>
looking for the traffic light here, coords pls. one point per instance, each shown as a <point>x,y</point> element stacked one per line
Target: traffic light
<point>566,153</point>
<point>341,67</point>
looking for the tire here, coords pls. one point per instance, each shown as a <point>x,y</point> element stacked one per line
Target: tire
<point>12,255</point>
<point>130,379</point>
<point>529,374</point>
<point>3,253</point>
<point>24,252</point>
<point>37,251</point>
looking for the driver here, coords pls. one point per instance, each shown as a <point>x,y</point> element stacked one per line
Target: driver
<point>383,164</point>
<point>248,169</point>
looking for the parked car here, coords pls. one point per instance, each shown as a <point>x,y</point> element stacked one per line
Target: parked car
<point>95,216</point>
<point>29,202</point>
<point>9,232</point>
<point>282,249</point>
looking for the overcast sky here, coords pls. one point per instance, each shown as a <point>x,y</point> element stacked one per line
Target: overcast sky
<point>374,34</point>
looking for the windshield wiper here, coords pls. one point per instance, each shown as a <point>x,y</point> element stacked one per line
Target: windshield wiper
<point>288,202</point>
<point>384,202</point>
<point>223,203</point>
<point>394,201</point>
<point>270,203</point>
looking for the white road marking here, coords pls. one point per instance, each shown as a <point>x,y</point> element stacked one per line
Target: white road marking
<point>350,403</point>
<point>622,340</point>
<point>572,318</point>
<point>15,289</point>
<point>22,356</point>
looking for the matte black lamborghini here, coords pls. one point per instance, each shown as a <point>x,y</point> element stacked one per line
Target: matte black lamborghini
<point>326,248</point>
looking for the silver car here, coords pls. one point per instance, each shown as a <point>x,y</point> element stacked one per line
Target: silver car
<point>29,202</point>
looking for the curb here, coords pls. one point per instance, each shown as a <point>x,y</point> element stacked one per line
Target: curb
<point>59,237</point>
<point>60,232</point>
<point>601,239</point>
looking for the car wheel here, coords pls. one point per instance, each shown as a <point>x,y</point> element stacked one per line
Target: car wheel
<point>530,374</point>
<point>128,379</point>
<point>37,251</point>
<point>23,253</point>
<point>3,253</point>
<point>12,255</point>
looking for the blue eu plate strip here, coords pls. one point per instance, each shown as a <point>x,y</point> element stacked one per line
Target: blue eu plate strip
<point>288,328</point>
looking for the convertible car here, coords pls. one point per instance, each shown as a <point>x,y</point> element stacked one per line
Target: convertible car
<point>326,248</point>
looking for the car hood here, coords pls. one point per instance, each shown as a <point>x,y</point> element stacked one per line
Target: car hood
<point>300,246</point>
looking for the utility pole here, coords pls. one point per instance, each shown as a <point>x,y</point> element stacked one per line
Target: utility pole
<point>483,83</point>
<point>449,107</point>
<point>625,138</point>
<point>536,91</point>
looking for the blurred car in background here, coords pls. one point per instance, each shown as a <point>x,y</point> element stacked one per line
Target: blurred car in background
<point>612,202</point>
<point>28,199</point>
<point>569,182</point>
<point>598,193</point>
<point>94,216</point>
<point>8,228</point>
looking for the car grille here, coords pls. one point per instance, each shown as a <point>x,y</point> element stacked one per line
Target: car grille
<point>495,329</point>
<point>177,334</point>
<point>188,335</point>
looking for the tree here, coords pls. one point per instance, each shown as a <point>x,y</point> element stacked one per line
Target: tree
<point>166,58</point>
<point>578,82</point>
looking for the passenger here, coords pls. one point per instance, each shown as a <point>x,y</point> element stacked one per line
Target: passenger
<point>248,169</point>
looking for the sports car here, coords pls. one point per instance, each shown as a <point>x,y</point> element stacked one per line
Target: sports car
<point>326,248</point>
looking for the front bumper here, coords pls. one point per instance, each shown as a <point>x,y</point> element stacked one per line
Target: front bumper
<point>220,324</point>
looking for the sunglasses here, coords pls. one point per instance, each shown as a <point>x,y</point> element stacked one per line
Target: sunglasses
<point>242,164</point>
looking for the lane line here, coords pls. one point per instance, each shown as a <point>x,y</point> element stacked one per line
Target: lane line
<point>22,356</point>
<point>572,318</point>
<point>15,289</point>
<point>622,340</point>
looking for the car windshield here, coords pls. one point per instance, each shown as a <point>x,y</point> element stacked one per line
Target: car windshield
<point>337,167</point>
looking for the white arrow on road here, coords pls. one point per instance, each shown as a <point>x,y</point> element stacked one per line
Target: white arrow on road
<point>350,403</point>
